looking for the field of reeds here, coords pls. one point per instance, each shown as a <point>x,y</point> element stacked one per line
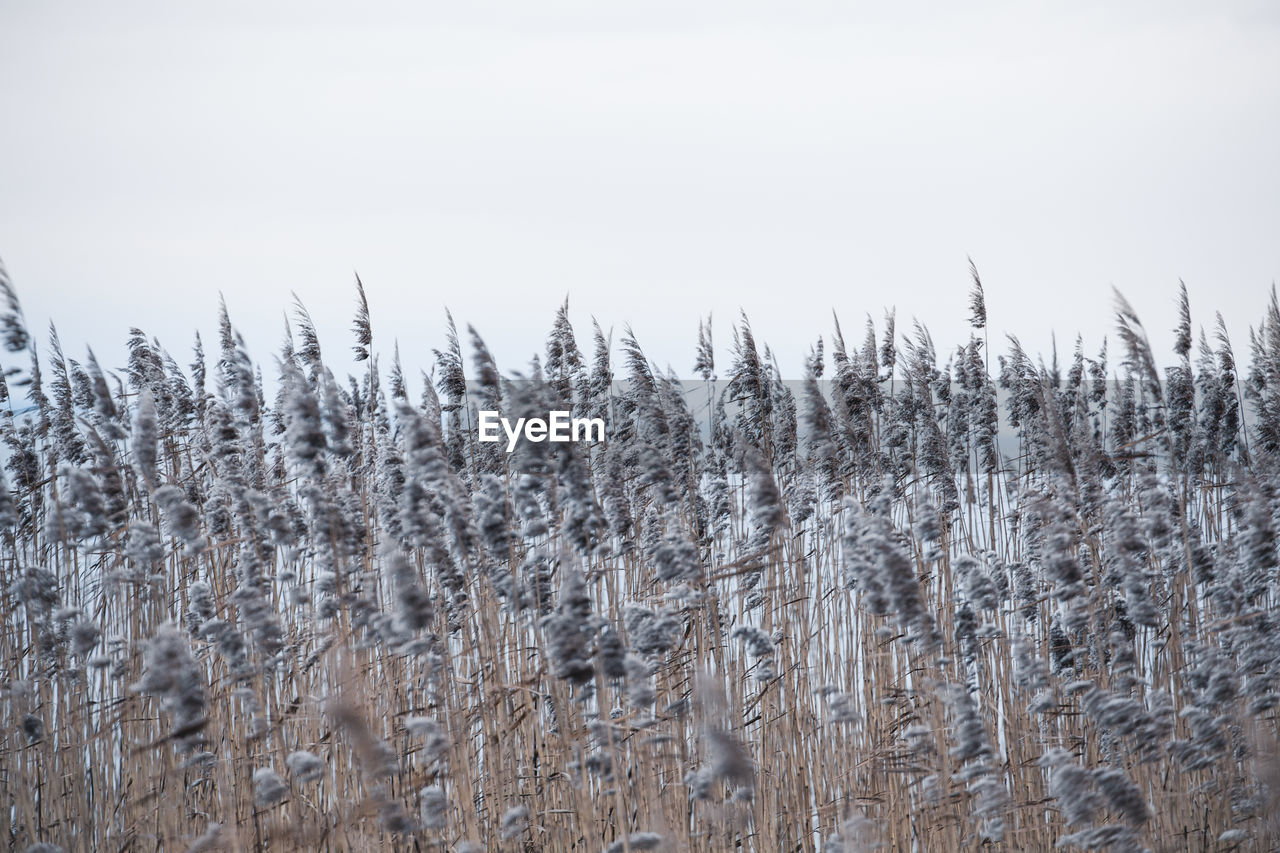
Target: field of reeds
<point>920,599</point>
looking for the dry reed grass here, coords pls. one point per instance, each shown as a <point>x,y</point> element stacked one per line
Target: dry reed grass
<point>336,622</point>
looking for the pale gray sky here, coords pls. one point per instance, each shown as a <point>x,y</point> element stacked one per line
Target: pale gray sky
<point>654,160</point>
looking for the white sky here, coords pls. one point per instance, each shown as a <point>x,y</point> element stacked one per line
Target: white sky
<point>653,160</point>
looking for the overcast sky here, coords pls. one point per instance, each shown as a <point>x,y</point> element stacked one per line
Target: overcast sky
<point>654,161</point>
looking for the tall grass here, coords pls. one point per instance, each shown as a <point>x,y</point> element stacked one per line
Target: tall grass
<point>900,604</point>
